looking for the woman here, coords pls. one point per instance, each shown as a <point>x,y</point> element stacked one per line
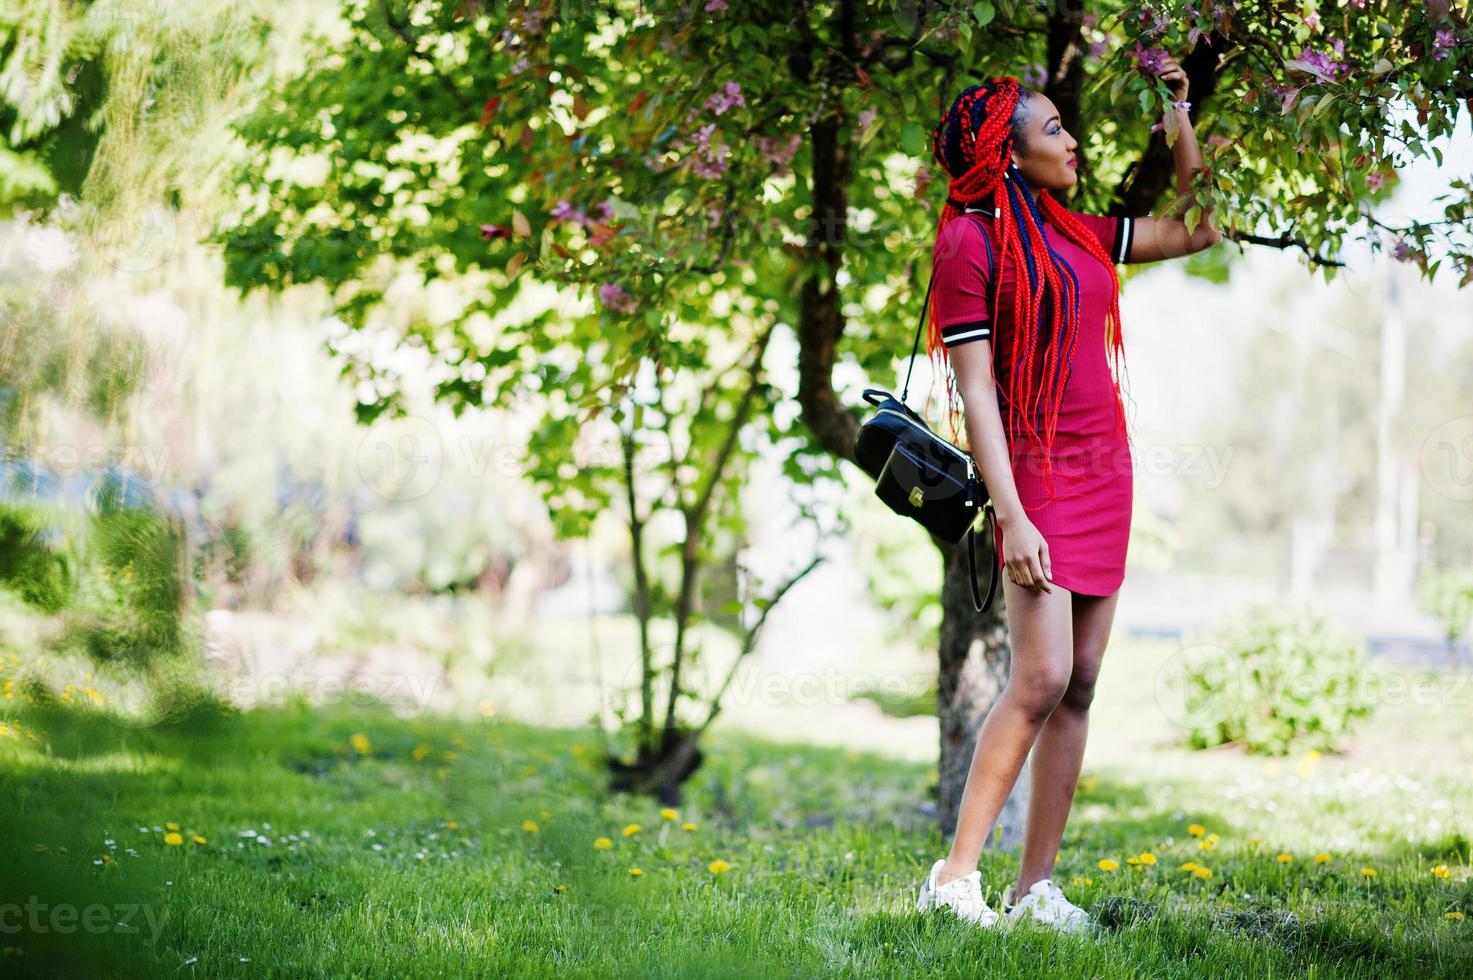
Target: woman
<point>1026,307</point>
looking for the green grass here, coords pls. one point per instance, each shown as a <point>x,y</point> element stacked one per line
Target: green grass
<point>410,859</point>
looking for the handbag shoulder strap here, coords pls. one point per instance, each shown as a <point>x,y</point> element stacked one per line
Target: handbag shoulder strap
<point>926,303</point>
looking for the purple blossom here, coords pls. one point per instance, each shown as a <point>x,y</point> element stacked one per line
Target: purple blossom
<point>776,150</point>
<point>519,66</point>
<point>1288,95</point>
<point>1150,59</point>
<point>1442,42</point>
<point>563,211</point>
<point>1097,49</point>
<point>613,297</point>
<point>715,5</point>
<point>866,117</point>
<point>1316,64</point>
<point>703,135</point>
<point>709,164</point>
<point>1035,75</point>
<point>603,211</point>
<point>1375,180</point>
<point>1400,250</point>
<point>721,101</point>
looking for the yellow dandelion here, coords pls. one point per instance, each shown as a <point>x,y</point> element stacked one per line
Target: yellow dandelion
<point>1368,872</point>
<point>1321,858</point>
<point>530,826</point>
<point>687,826</point>
<point>1190,866</point>
<point>668,813</point>
<point>631,829</point>
<point>1213,838</point>
<point>1147,857</point>
<point>718,867</point>
<point>1284,858</point>
<point>1206,845</point>
<point>198,839</point>
<point>558,889</point>
<point>1133,859</point>
<point>1455,914</point>
<point>603,843</point>
<point>360,742</point>
<point>635,872</point>
<point>1196,829</point>
<point>173,840</point>
<point>1202,872</point>
<point>1438,872</point>
<point>420,751</point>
<point>171,826</point>
<point>1106,864</point>
<point>107,858</point>
<point>453,825</point>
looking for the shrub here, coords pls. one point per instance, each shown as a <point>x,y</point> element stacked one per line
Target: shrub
<point>1277,680</point>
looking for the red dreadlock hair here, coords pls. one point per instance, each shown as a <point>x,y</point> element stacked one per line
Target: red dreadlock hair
<point>974,144</point>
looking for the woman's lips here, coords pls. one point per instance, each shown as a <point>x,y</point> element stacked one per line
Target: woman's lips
<point>1074,161</point>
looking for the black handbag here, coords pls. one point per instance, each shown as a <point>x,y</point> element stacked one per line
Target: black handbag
<point>920,475</point>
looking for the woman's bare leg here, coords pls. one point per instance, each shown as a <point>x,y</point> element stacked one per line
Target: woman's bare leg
<point>1059,753</point>
<point>1039,628</point>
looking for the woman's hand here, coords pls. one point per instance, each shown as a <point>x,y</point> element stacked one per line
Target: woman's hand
<point>1025,556</point>
<point>1175,76</point>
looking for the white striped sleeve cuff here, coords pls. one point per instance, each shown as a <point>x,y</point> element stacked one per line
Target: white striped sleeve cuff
<point>1124,235</point>
<point>961,333</point>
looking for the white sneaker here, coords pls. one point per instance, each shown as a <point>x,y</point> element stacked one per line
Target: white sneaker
<point>1046,903</point>
<point>962,895</point>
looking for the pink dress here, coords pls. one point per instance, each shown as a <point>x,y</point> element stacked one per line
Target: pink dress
<point>1087,524</point>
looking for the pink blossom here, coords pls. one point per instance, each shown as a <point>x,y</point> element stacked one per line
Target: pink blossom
<point>1375,180</point>
<point>603,211</point>
<point>519,66</point>
<point>866,117</point>
<point>613,297</point>
<point>715,5</point>
<point>1035,75</point>
<point>1097,49</point>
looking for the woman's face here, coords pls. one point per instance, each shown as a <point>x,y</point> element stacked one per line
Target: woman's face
<point>1047,159</point>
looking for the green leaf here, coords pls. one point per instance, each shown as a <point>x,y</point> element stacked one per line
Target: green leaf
<point>983,12</point>
<point>913,138</point>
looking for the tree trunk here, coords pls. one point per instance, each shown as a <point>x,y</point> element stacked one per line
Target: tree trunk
<point>974,661</point>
